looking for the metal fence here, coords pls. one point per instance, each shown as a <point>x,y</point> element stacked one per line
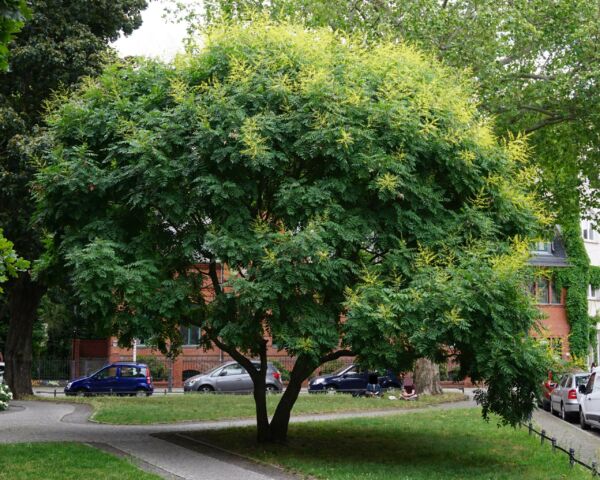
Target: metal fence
<point>50,369</point>
<point>593,468</point>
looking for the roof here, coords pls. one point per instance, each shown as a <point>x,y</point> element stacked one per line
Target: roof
<point>557,257</point>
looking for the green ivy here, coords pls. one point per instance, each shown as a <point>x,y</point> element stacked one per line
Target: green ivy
<point>576,280</point>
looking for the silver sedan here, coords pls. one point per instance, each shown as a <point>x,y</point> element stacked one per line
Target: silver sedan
<point>233,378</point>
<point>563,399</point>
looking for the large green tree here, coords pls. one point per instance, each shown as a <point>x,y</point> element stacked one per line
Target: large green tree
<point>536,64</point>
<point>63,41</point>
<point>354,194</point>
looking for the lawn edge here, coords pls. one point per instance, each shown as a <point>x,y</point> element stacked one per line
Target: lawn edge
<point>92,417</point>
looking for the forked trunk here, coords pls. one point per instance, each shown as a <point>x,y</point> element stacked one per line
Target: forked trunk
<point>427,377</point>
<point>24,299</point>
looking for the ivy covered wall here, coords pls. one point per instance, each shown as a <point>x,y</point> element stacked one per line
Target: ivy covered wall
<point>576,280</point>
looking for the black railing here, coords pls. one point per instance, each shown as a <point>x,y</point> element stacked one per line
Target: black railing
<point>593,468</point>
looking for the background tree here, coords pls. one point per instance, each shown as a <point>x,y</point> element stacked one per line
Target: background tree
<point>63,41</point>
<point>332,180</point>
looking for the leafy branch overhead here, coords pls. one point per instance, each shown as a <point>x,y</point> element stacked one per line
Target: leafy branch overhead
<point>287,183</point>
<point>10,263</point>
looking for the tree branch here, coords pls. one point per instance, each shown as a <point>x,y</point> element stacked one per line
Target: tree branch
<point>548,122</point>
<point>335,355</point>
<point>212,272</point>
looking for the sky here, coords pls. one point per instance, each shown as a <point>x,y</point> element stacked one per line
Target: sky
<point>157,37</point>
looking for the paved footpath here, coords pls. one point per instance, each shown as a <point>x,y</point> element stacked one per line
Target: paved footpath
<point>570,435</point>
<point>33,421</point>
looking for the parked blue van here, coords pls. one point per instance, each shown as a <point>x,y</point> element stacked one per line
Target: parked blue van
<point>116,378</point>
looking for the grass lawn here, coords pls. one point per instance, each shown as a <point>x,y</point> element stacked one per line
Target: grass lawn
<point>451,444</point>
<point>64,461</point>
<point>177,408</point>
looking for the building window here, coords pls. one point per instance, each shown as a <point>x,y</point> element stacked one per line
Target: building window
<point>588,232</point>
<point>556,345</point>
<point>594,293</point>
<point>190,335</point>
<point>542,248</point>
<point>545,292</point>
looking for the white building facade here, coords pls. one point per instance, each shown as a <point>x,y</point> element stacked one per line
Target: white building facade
<point>591,240</point>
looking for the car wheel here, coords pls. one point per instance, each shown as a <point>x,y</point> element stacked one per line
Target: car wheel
<point>563,413</point>
<point>584,425</point>
<point>82,393</point>
<point>272,389</point>
<point>552,411</point>
<point>140,392</point>
<point>330,389</point>
<point>205,389</point>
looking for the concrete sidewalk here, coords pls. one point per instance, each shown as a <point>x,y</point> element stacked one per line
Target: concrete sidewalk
<point>569,435</point>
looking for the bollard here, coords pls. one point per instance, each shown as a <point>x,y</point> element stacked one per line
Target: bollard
<point>553,440</point>
<point>55,393</point>
<point>542,436</point>
<point>594,469</point>
<point>165,391</point>
<point>572,457</point>
<point>530,428</point>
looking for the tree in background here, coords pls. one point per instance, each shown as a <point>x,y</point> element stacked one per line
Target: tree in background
<point>356,196</point>
<point>13,14</point>
<point>63,41</point>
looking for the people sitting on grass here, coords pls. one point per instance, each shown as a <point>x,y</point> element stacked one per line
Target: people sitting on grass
<point>409,393</point>
<point>373,387</point>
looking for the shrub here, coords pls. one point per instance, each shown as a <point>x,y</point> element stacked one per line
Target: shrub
<point>5,396</point>
<point>157,366</point>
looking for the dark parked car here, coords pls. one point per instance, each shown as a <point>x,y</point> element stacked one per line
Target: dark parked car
<point>233,378</point>
<point>117,378</point>
<point>352,379</point>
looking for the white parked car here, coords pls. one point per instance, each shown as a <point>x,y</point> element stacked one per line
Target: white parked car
<point>589,401</point>
<point>564,398</point>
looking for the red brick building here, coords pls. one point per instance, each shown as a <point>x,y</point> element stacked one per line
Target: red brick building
<point>90,355</point>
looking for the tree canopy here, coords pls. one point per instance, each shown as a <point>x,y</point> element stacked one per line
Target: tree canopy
<point>535,62</point>
<point>12,16</point>
<point>357,197</point>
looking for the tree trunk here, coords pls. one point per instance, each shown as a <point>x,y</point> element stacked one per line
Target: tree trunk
<point>281,420</point>
<point>260,400</point>
<point>24,299</point>
<point>427,377</point>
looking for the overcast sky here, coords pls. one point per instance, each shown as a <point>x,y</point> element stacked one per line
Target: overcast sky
<point>157,37</point>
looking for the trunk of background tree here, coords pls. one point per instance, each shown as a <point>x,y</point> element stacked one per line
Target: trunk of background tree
<point>427,377</point>
<point>24,299</point>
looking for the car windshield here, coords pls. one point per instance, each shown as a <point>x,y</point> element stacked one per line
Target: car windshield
<point>342,370</point>
<point>582,380</point>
